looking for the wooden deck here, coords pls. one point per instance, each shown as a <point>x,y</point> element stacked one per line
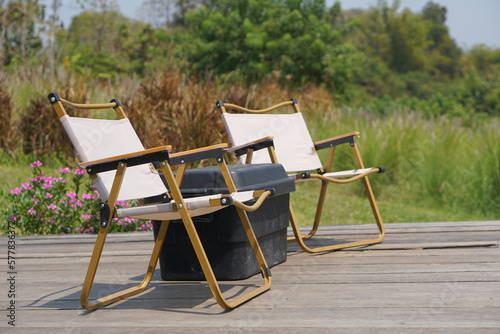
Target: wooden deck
<point>424,278</point>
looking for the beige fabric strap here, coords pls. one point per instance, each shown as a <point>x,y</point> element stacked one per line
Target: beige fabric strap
<point>167,211</point>
<point>347,173</point>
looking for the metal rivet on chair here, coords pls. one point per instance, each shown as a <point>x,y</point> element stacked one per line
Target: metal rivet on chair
<point>52,99</point>
<point>180,206</point>
<point>223,201</point>
<point>104,223</point>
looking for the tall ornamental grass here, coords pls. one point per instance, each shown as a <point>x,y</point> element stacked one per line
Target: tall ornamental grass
<point>437,167</point>
<point>436,162</point>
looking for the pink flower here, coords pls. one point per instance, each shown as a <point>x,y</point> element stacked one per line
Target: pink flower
<point>87,196</point>
<point>16,191</point>
<point>36,164</point>
<point>47,179</point>
<point>79,171</point>
<point>71,195</point>
<point>35,200</point>
<point>26,185</point>
<point>48,195</point>
<point>32,212</point>
<point>64,170</point>
<point>47,186</point>
<point>144,227</point>
<point>52,207</point>
<point>86,216</point>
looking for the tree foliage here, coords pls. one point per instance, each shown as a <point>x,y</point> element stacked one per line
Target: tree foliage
<point>19,38</point>
<point>292,40</point>
<point>406,41</point>
<point>110,44</point>
<point>358,55</point>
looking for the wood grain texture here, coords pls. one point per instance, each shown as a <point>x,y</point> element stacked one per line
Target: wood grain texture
<point>424,277</point>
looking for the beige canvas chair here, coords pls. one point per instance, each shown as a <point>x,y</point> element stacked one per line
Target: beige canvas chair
<point>287,139</point>
<point>121,169</point>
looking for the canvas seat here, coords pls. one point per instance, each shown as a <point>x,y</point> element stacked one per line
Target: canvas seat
<point>122,169</point>
<point>288,142</point>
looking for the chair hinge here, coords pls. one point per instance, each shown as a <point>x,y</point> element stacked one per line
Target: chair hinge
<point>305,175</point>
<point>104,212</point>
<point>268,271</point>
<point>226,200</point>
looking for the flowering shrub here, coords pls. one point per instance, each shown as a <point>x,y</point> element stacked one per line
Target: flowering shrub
<point>53,205</point>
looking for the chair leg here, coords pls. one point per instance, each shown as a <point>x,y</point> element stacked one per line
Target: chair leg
<point>369,194</point>
<point>200,251</point>
<point>94,263</point>
<point>208,271</point>
<point>317,217</point>
<point>297,237</point>
<point>321,199</point>
<point>373,204</point>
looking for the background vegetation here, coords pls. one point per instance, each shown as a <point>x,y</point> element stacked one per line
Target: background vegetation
<point>427,110</point>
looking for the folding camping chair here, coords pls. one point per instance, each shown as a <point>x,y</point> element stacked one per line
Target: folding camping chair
<point>121,169</point>
<point>288,142</point>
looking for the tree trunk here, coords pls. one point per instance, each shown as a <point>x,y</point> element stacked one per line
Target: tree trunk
<point>3,30</point>
<point>53,24</point>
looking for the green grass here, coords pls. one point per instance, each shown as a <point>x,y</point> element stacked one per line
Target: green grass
<point>437,170</point>
<point>344,205</point>
<point>16,170</point>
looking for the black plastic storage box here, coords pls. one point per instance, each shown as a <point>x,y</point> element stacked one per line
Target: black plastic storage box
<point>222,233</point>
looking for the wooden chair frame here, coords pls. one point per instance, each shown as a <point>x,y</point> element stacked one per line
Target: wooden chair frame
<point>162,157</point>
<point>361,173</point>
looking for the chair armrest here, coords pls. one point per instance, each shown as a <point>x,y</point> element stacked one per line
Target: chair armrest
<point>334,141</point>
<point>221,105</point>
<point>253,145</point>
<point>197,154</point>
<point>132,159</point>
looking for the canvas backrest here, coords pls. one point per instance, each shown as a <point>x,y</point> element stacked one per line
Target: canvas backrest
<point>292,141</point>
<point>98,138</point>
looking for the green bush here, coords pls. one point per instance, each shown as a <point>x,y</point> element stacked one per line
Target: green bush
<point>54,205</point>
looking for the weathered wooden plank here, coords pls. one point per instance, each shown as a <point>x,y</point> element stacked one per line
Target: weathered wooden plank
<point>365,317</point>
<point>419,294</point>
<point>215,329</point>
<point>426,277</point>
<point>319,269</point>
